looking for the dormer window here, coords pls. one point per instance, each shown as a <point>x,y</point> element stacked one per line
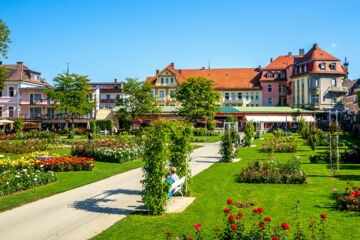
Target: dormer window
<point>269,75</point>
<point>172,80</point>
<point>282,75</point>
<point>276,75</point>
<point>162,81</point>
<point>332,66</point>
<point>322,66</point>
<point>167,81</point>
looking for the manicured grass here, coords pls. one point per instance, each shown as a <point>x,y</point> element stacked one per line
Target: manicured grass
<point>66,181</point>
<point>213,186</point>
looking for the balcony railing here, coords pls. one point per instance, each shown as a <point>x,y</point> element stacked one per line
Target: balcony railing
<point>282,93</point>
<point>35,101</point>
<point>338,89</point>
<point>233,101</point>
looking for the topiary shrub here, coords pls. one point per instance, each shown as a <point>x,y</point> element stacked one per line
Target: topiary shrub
<point>226,147</point>
<point>249,133</point>
<point>234,137</point>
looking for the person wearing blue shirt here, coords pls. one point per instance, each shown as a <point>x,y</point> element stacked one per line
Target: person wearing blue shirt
<point>170,181</point>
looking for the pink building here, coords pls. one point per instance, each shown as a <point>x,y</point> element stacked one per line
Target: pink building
<point>24,97</point>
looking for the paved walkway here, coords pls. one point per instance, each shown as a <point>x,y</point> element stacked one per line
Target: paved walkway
<point>86,211</point>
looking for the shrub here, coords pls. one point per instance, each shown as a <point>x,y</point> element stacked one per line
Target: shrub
<point>105,124</point>
<point>230,118</point>
<point>280,145</point>
<point>313,141</point>
<point>92,125</point>
<point>226,149</point>
<point>61,164</point>
<point>24,146</point>
<point>273,171</point>
<point>18,124</point>
<point>234,137</point>
<point>249,133</point>
<point>281,133</point>
<point>35,134</point>
<point>204,132</point>
<point>349,200</point>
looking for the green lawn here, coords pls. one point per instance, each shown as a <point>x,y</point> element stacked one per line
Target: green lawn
<point>66,181</point>
<point>213,186</point>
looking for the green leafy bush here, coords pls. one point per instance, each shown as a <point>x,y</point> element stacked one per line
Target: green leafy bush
<point>18,124</point>
<point>249,133</point>
<point>226,149</point>
<point>204,132</point>
<point>211,125</point>
<point>279,144</point>
<point>105,125</point>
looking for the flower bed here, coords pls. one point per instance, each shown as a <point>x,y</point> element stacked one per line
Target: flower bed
<point>279,144</point>
<point>348,200</point>
<point>61,164</point>
<point>257,225</point>
<point>108,151</point>
<point>23,147</point>
<point>14,180</point>
<point>273,171</point>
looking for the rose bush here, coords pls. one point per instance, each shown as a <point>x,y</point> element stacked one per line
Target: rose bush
<point>61,164</point>
<point>273,171</point>
<point>27,146</point>
<point>279,144</point>
<point>349,199</point>
<point>238,226</point>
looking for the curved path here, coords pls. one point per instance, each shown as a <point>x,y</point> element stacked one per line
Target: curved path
<point>86,211</point>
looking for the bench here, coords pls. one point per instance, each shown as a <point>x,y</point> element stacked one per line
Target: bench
<point>176,186</point>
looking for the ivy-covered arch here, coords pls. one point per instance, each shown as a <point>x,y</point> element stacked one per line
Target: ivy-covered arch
<point>167,144</point>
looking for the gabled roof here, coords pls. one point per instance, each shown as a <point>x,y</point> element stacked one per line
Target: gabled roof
<point>282,62</point>
<point>316,53</point>
<point>225,78</point>
<point>19,72</point>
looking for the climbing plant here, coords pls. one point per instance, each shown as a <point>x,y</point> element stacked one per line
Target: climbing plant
<point>234,137</point>
<point>167,144</point>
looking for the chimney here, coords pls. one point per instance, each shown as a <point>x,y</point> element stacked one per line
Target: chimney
<point>157,71</point>
<point>271,59</point>
<point>289,54</point>
<point>172,64</point>
<point>315,46</point>
<point>203,68</point>
<point>180,71</point>
<point>301,52</point>
<point>115,80</point>
<point>20,63</point>
<point>259,67</point>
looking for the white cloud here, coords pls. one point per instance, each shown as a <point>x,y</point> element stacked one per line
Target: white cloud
<point>334,45</point>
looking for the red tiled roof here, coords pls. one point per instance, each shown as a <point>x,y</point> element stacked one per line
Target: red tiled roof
<point>282,62</point>
<point>19,72</point>
<point>225,78</point>
<point>316,53</point>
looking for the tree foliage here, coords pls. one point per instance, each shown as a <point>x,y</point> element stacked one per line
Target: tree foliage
<point>3,76</point>
<point>198,98</point>
<point>4,39</point>
<point>249,133</point>
<point>71,94</point>
<point>18,124</point>
<point>137,101</point>
<point>295,115</point>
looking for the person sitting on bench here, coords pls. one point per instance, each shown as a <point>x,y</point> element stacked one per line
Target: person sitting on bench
<point>169,180</point>
<point>174,176</point>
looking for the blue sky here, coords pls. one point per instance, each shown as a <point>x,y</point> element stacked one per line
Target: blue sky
<point>118,39</point>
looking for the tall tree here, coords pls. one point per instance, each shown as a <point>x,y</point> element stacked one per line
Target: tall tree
<point>4,41</point>
<point>137,101</point>
<point>71,94</point>
<point>198,98</point>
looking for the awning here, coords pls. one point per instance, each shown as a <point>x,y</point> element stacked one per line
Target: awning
<point>277,119</point>
<point>5,122</point>
<point>104,114</point>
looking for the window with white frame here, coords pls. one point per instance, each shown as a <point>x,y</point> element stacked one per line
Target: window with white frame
<point>332,66</point>
<point>161,94</point>
<point>333,82</point>
<point>172,81</point>
<point>239,95</point>
<point>247,97</point>
<point>257,97</point>
<point>50,112</point>
<point>300,69</point>
<point>315,82</point>
<point>270,102</point>
<point>108,96</point>
<point>269,75</point>
<point>282,75</point>
<point>322,66</point>
<point>269,88</point>
<point>11,111</point>
<point>227,96</point>
<point>162,81</point>
<point>233,96</point>
<point>11,91</point>
<point>333,100</point>
<point>252,97</point>
<point>305,68</point>
<point>172,94</point>
<point>276,75</point>
<point>35,98</point>
<point>167,81</point>
<point>35,112</point>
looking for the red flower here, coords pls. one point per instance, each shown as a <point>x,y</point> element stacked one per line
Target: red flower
<point>261,224</point>
<point>237,218</point>
<point>191,239</point>
<point>240,214</point>
<point>226,210</point>
<point>229,201</point>
<point>233,227</point>
<point>255,210</point>
<point>267,219</point>
<point>231,218</point>
<point>285,226</point>
<point>323,216</point>
<point>347,188</point>
<point>345,197</point>
<point>275,238</point>
<point>260,209</point>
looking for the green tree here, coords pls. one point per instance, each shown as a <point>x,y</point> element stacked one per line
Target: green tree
<point>4,45</point>
<point>71,94</point>
<point>18,124</point>
<point>226,147</point>
<point>198,98</point>
<point>138,100</point>
<point>249,133</point>
<point>295,115</point>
